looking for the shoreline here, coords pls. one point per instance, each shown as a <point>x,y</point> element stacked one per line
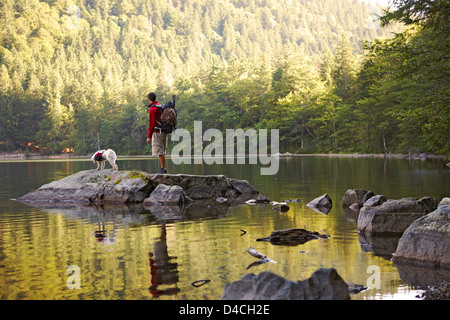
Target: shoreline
<point>417,156</point>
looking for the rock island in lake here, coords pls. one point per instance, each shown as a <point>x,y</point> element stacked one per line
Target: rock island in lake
<point>106,186</point>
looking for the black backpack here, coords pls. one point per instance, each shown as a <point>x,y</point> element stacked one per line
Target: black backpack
<point>168,117</point>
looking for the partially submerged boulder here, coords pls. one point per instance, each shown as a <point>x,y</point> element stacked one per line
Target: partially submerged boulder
<point>281,207</point>
<point>106,186</point>
<point>358,196</point>
<point>292,237</point>
<point>322,201</point>
<point>426,241</point>
<point>324,284</point>
<point>374,201</point>
<point>321,204</point>
<point>393,217</point>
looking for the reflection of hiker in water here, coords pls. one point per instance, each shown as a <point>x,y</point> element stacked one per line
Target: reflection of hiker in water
<point>102,236</point>
<point>162,271</point>
<point>101,232</point>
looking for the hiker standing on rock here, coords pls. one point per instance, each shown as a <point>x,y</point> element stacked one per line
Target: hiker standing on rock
<point>156,137</point>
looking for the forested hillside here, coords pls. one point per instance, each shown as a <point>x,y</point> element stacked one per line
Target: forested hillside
<point>74,75</point>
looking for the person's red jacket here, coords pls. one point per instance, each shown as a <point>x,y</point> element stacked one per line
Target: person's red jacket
<point>154,114</point>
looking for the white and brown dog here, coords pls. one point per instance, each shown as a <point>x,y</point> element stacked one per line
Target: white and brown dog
<point>101,156</point>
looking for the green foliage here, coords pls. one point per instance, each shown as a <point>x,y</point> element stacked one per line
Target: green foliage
<point>429,13</point>
<point>75,78</point>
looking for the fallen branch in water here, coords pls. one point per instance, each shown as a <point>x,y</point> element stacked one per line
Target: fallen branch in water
<point>293,237</point>
<point>326,236</point>
<point>199,283</point>
<point>262,258</point>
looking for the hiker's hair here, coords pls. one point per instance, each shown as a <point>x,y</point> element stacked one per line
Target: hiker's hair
<point>152,96</point>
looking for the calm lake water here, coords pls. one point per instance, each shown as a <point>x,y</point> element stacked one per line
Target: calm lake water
<point>132,253</point>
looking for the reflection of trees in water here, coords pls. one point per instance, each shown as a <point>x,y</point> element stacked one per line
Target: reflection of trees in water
<point>136,214</point>
<point>197,211</point>
<point>162,270</point>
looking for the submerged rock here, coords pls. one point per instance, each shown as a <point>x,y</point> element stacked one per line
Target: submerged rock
<point>393,217</point>
<point>106,186</point>
<point>281,207</point>
<point>324,284</point>
<point>292,237</point>
<point>426,241</point>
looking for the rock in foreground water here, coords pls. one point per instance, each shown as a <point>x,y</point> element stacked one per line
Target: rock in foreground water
<point>324,284</point>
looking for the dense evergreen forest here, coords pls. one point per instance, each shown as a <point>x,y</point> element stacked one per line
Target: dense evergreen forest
<point>74,75</point>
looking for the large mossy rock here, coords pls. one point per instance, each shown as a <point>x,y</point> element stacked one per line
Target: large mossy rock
<point>106,186</point>
<point>95,187</point>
